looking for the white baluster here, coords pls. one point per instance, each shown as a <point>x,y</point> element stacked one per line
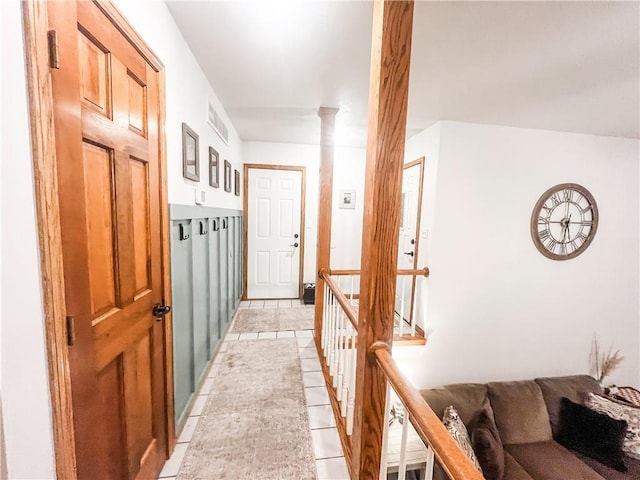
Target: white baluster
<point>347,370</point>
<point>329,331</point>
<point>415,309</point>
<point>337,382</point>
<point>404,281</point>
<point>332,336</point>
<point>402,468</point>
<point>429,464</point>
<point>325,319</point>
<point>385,436</point>
<point>351,293</point>
<point>352,385</point>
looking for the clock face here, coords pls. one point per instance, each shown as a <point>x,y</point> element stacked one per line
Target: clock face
<point>564,221</point>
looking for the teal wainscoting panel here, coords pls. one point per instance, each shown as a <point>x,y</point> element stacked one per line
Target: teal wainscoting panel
<point>239,259</point>
<point>201,354</point>
<point>231,259</point>
<point>182,305</point>
<point>224,273</point>
<point>214,284</point>
<point>205,274</point>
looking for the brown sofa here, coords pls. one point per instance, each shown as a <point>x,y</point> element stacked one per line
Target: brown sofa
<point>526,416</point>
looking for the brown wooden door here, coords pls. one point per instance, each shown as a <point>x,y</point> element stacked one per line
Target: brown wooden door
<point>106,106</point>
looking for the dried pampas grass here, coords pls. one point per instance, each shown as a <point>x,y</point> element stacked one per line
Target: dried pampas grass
<point>603,364</point>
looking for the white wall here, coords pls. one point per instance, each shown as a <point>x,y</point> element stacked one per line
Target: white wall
<point>348,173</point>
<point>499,309</point>
<point>25,385</point>
<point>187,92</point>
<point>425,144</point>
<point>346,224</point>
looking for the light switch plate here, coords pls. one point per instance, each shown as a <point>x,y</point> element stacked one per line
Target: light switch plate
<point>201,196</point>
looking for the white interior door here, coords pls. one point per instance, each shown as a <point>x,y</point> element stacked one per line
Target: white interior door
<point>274,234</point>
<point>407,241</point>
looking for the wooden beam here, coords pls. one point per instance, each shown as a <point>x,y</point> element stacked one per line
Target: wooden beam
<point>388,95</point>
<point>325,195</point>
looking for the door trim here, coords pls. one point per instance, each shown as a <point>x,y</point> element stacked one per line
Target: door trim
<point>245,219</point>
<point>419,161</point>
<point>36,26</point>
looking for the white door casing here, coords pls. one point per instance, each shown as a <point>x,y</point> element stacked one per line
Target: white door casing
<point>408,240</point>
<point>274,234</point>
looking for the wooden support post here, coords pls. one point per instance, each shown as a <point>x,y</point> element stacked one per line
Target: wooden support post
<point>388,95</point>
<point>325,196</point>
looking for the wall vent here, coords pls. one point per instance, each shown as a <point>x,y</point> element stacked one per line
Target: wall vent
<point>215,121</point>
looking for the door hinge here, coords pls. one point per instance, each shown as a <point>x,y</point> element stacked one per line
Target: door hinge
<point>52,38</point>
<point>71,331</point>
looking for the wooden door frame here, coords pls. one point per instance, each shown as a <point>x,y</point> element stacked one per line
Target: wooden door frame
<point>36,26</point>
<point>245,219</point>
<point>419,161</point>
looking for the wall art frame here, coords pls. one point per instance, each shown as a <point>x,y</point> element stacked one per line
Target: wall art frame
<point>190,153</point>
<point>214,168</point>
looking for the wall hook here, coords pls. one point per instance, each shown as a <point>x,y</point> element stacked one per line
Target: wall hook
<point>203,229</point>
<point>183,236</point>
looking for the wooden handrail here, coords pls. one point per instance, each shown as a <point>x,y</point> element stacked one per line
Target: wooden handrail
<point>427,425</point>
<point>420,271</point>
<point>342,299</point>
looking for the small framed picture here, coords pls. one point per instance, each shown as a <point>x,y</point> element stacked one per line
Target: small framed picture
<point>236,183</point>
<point>347,199</point>
<point>214,168</point>
<point>190,159</point>
<point>227,176</point>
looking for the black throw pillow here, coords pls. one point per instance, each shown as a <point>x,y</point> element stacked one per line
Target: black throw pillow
<point>487,447</point>
<point>591,433</point>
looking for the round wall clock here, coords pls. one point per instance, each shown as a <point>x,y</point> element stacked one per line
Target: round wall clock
<point>564,221</point>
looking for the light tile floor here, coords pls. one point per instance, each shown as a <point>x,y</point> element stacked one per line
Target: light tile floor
<point>329,457</point>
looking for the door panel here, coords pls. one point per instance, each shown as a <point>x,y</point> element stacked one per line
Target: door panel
<point>274,233</point>
<point>106,120</point>
<point>408,240</point>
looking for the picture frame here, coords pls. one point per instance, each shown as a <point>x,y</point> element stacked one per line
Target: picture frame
<point>236,183</point>
<point>347,199</point>
<point>214,168</point>
<point>227,176</point>
<point>190,153</point>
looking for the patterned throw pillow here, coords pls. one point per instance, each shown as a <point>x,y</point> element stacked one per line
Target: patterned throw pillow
<point>631,415</point>
<point>458,431</point>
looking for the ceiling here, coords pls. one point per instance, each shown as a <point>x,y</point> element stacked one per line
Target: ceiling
<point>567,66</point>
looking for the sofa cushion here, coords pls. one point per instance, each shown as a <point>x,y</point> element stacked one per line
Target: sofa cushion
<point>487,447</point>
<point>571,387</point>
<point>550,461</point>
<point>519,411</point>
<point>467,398</point>
<point>594,434</point>
<point>633,468</point>
<point>620,411</point>
<point>513,470</point>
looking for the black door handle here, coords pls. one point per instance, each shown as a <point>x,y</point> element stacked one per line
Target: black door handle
<point>159,311</point>
<point>294,245</point>
<point>409,253</point>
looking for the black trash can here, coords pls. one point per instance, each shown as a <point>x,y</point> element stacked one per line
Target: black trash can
<point>309,295</point>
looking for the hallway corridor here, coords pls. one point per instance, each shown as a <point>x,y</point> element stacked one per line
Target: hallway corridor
<point>233,429</point>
